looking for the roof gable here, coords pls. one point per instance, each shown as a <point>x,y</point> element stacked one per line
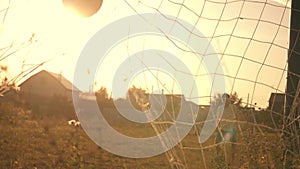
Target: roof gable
<point>277,97</point>
<point>59,78</point>
<point>65,82</point>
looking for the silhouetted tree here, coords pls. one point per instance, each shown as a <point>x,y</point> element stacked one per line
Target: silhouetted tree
<point>234,99</point>
<point>138,98</point>
<point>103,99</point>
<point>102,94</point>
<point>228,99</point>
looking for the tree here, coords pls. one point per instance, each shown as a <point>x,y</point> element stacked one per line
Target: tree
<point>235,100</point>
<point>228,99</point>
<point>138,98</point>
<point>103,99</point>
<point>102,94</point>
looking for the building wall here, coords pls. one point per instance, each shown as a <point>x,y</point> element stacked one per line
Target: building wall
<point>276,102</point>
<point>44,85</point>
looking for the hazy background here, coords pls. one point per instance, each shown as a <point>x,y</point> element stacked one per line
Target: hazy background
<point>251,37</point>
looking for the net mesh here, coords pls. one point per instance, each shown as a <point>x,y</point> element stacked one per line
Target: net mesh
<point>252,41</point>
<point>251,38</point>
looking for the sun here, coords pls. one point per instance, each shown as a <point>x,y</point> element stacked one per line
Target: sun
<point>83,8</point>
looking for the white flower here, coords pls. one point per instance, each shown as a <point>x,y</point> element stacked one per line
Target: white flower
<point>77,123</point>
<point>71,122</point>
<point>74,123</point>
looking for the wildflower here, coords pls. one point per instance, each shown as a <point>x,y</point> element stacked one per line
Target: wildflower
<point>74,123</point>
<point>71,122</point>
<point>77,123</point>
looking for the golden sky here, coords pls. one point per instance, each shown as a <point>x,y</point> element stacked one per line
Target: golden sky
<point>61,35</point>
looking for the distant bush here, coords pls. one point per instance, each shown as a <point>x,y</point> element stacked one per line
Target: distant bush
<point>103,100</point>
<point>56,105</point>
<point>60,105</point>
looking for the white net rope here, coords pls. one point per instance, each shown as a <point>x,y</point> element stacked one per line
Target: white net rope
<point>252,41</point>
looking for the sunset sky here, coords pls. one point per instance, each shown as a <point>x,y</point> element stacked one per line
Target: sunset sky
<point>259,56</point>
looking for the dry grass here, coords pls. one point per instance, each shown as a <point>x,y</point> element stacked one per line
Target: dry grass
<point>29,140</point>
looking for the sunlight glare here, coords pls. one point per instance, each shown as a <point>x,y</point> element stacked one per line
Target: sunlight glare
<point>82,8</point>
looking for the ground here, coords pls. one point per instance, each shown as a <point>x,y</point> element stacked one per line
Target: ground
<point>29,140</point>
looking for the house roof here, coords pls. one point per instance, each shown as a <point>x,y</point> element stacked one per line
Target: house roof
<point>61,79</point>
<point>277,97</point>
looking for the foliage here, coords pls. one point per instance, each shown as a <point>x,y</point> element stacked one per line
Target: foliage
<point>6,85</point>
<point>228,99</point>
<point>59,105</point>
<point>103,99</point>
<point>49,142</point>
<point>235,99</point>
<point>102,94</point>
<point>25,143</point>
<point>138,98</point>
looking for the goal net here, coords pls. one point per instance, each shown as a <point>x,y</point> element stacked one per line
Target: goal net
<point>211,76</point>
<point>251,41</point>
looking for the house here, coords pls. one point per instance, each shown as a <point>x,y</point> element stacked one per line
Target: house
<point>277,102</point>
<point>44,85</point>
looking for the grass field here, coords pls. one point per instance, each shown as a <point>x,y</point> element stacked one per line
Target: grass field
<point>29,140</point>
<point>45,140</point>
